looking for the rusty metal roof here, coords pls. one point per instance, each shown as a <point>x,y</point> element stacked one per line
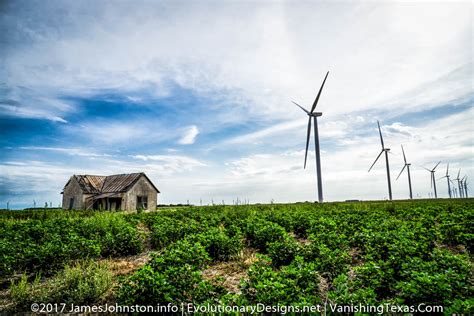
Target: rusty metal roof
<point>90,184</point>
<point>109,184</point>
<point>120,182</point>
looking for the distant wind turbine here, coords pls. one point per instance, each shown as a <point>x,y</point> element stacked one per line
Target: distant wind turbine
<point>460,190</point>
<point>386,150</point>
<point>465,186</point>
<point>433,179</point>
<point>447,177</point>
<point>314,116</point>
<point>406,165</point>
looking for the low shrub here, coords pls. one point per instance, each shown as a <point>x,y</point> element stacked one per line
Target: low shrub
<point>261,232</point>
<point>295,284</point>
<point>440,280</point>
<point>283,252</point>
<point>218,244</point>
<point>171,277</point>
<point>166,230</point>
<point>332,261</point>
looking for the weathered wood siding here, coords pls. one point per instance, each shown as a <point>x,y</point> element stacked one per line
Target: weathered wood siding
<point>141,188</point>
<point>73,190</point>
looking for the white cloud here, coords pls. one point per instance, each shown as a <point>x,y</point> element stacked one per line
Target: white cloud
<point>260,58</point>
<point>189,136</point>
<point>173,163</point>
<point>17,111</point>
<point>276,129</point>
<point>69,151</point>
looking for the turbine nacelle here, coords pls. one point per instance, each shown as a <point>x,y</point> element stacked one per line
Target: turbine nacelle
<point>315,114</point>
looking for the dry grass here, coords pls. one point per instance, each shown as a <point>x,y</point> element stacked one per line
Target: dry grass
<point>323,287</point>
<point>146,235</point>
<point>5,301</point>
<point>126,265</point>
<point>355,254</point>
<point>229,274</point>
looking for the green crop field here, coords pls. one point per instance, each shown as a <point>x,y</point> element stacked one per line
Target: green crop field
<point>401,253</point>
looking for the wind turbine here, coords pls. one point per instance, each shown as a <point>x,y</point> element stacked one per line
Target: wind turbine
<point>455,191</point>
<point>447,177</point>
<point>386,150</point>
<point>314,116</point>
<point>465,186</point>
<point>433,180</point>
<point>460,190</point>
<point>407,165</point>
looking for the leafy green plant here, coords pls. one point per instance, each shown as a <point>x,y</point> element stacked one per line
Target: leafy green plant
<point>173,276</point>
<point>81,283</point>
<point>261,232</point>
<point>283,252</point>
<point>294,284</point>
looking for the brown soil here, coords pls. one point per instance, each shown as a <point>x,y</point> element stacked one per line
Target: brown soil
<point>459,249</point>
<point>229,274</point>
<point>302,241</point>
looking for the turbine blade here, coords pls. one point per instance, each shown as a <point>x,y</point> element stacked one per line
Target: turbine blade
<point>426,169</point>
<point>436,165</point>
<point>380,132</point>
<point>319,93</point>
<point>400,172</point>
<point>404,158</point>
<point>442,177</point>
<point>447,169</point>
<point>307,141</point>
<point>300,107</point>
<point>459,173</point>
<point>375,161</point>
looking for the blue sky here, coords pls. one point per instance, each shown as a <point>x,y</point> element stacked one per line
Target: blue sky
<point>197,95</point>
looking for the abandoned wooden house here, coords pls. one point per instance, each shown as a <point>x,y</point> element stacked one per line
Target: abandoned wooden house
<point>129,192</point>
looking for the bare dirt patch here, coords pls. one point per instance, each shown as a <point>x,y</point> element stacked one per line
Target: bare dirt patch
<point>303,241</point>
<point>126,265</point>
<point>229,274</point>
<point>356,257</point>
<point>459,249</point>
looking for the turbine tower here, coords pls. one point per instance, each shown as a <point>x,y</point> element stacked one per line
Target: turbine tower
<point>406,165</point>
<point>314,115</point>
<point>433,180</point>
<point>386,150</point>
<point>460,190</point>
<point>465,187</point>
<point>447,177</point>
<point>455,192</point>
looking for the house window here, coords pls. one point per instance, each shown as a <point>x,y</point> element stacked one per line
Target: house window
<point>142,202</point>
<point>71,203</point>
